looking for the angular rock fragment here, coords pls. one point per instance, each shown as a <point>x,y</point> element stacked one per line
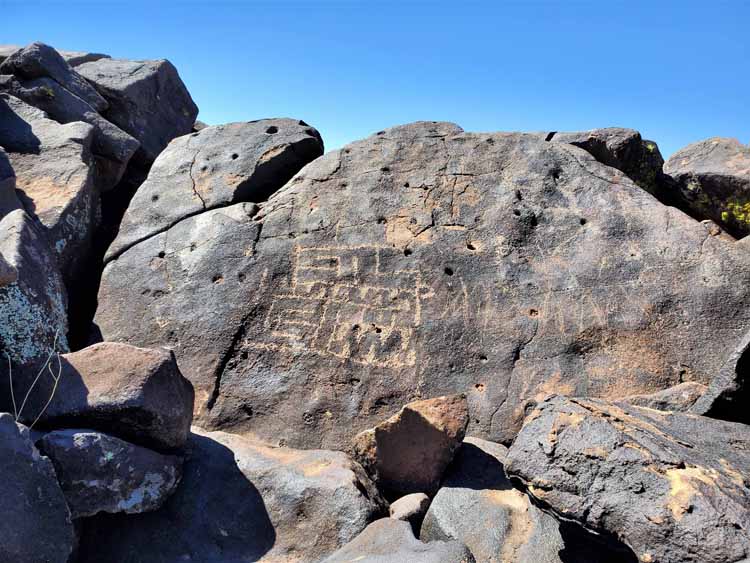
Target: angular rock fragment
<point>671,486</point>
<point>36,523</point>
<point>54,177</point>
<point>75,58</point>
<point>146,98</point>
<point>101,473</point>
<point>425,261</point>
<point>133,393</point>
<point>410,508</point>
<point>409,452</point>
<point>713,181</point>
<point>391,541</point>
<point>42,61</point>
<point>216,167</point>
<point>240,500</point>
<point>680,398</point>
<point>477,506</point>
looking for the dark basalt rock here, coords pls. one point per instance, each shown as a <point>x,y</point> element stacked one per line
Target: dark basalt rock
<point>241,500</point>
<point>671,486</point>
<point>35,523</point>
<point>680,398</point>
<point>425,261</point>
<point>713,182</point>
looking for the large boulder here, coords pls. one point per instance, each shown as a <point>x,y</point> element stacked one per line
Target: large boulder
<point>425,261</point>
<point>391,541</point>
<point>216,167</point>
<point>477,506</point>
<point>713,181</point>
<point>409,452</point>
<point>101,473</point>
<point>240,500</point>
<point>134,393</point>
<point>671,486</point>
<point>54,177</point>
<point>146,98</point>
<point>35,525</point>
<point>42,61</point>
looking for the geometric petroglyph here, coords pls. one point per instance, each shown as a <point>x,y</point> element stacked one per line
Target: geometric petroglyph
<point>352,303</point>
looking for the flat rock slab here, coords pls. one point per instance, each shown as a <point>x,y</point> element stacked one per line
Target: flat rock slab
<point>216,167</point>
<point>391,541</point>
<point>240,500</point>
<point>426,261</point>
<point>36,523</point>
<point>713,179</point>
<point>477,506</point>
<point>146,98</point>
<point>101,473</point>
<point>671,486</point>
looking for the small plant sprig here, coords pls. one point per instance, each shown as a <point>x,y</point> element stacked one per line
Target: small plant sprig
<point>46,366</point>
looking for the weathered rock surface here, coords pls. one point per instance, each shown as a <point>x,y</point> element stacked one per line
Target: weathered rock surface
<point>146,98</point>
<point>8,274</point>
<point>134,393</point>
<point>410,508</point>
<point>240,500</point>
<point>713,181</point>
<point>7,50</point>
<point>409,452</point>
<point>101,473</point>
<point>42,61</point>
<point>391,541</point>
<point>680,398</point>
<point>425,261</point>
<point>54,177</point>
<point>671,486</point>
<point>75,58</point>
<point>35,524</point>
<point>478,506</point>
<point>213,168</point>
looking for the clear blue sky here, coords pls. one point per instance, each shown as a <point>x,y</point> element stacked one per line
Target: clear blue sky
<point>677,71</point>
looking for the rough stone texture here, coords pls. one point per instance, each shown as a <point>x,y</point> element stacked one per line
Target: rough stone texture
<point>478,506</point>
<point>410,508</point>
<point>425,261</point>
<point>35,524</point>
<point>146,98</point>
<point>623,149</point>
<point>391,541</point>
<point>240,500</point>
<point>409,452</point>
<point>111,146</point>
<point>101,473</point>
<point>671,486</point>
<point>216,167</point>
<point>713,181</point>
<point>42,61</point>
<point>728,393</point>
<point>54,177</point>
<point>8,274</point>
<point>75,58</point>
<point>134,393</point>
<point>8,198</point>
<point>678,398</point>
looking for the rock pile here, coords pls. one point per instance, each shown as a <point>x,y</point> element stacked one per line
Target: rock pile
<point>429,345</point>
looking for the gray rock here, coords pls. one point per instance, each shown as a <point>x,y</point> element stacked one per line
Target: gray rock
<point>7,50</point>
<point>8,274</point>
<point>216,167</point>
<point>240,500</point>
<point>133,393</point>
<point>409,452</point>
<point>671,486</point>
<point>391,541</point>
<point>101,473</point>
<point>38,60</point>
<point>146,98</point>
<point>678,398</point>
<point>35,524</point>
<point>410,508</point>
<point>111,146</point>
<point>75,58</point>
<point>8,197</point>
<point>478,506</point>
<point>54,178</point>
<point>427,261</point>
<point>713,181</point>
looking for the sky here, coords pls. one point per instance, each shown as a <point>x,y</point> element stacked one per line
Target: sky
<point>678,72</point>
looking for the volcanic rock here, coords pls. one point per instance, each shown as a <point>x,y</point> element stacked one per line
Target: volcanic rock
<point>240,500</point>
<point>409,452</point>
<point>410,508</point>
<point>671,486</point>
<point>681,397</point>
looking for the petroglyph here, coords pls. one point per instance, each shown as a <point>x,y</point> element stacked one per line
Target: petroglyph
<point>347,302</point>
